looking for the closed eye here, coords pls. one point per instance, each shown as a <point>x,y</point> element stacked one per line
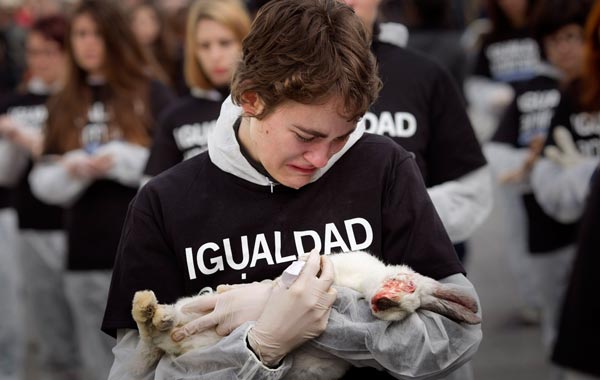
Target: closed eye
<point>304,138</point>
<point>342,138</point>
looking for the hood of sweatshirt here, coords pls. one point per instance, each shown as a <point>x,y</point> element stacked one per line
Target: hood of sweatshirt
<point>224,149</point>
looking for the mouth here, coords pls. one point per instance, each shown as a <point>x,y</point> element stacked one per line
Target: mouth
<point>303,170</point>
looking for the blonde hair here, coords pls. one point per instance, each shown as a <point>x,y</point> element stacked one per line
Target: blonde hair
<point>230,13</point>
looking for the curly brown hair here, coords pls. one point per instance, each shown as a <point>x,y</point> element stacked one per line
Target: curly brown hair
<point>307,51</point>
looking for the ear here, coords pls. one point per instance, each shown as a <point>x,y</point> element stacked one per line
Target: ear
<point>252,104</point>
<point>453,303</point>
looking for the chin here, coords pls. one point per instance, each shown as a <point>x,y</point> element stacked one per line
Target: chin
<point>295,183</point>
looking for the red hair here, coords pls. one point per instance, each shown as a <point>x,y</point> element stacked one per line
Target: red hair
<point>590,80</point>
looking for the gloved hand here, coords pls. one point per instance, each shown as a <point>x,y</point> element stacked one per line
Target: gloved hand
<point>295,315</point>
<point>83,166</point>
<point>231,306</point>
<point>565,153</point>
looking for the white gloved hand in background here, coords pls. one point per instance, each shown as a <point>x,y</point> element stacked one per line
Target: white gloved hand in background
<point>565,153</point>
<point>83,166</point>
<point>230,307</point>
<point>295,315</point>
<point>561,181</point>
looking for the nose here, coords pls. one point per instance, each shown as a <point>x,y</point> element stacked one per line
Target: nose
<point>215,53</point>
<point>383,303</point>
<point>318,155</point>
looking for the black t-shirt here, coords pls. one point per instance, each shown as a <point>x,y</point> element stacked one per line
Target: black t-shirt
<point>95,220</point>
<point>508,57</point>
<point>529,116</point>
<point>30,109</point>
<point>195,225</point>
<point>421,109</point>
<point>182,132</point>
<point>584,126</point>
<point>6,200</point>
<point>579,332</point>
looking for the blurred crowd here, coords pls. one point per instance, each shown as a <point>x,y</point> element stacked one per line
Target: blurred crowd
<point>497,99</point>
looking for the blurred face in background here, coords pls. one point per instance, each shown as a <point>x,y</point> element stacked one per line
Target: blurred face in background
<point>45,58</point>
<point>515,10</point>
<point>564,50</point>
<point>365,9</point>
<point>145,25</point>
<point>217,51</point>
<point>88,45</point>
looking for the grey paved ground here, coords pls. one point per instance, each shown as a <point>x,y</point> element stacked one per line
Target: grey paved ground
<point>508,350</point>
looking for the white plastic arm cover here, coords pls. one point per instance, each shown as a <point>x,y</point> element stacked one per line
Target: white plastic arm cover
<point>463,204</point>
<point>505,158</point>
<point>423,346</point>
<point>129,161</point>
<point>13,162</point>
<point>487,95</point>
<point>51,183</point>
<point>230,358</point>
<point>561,191</point>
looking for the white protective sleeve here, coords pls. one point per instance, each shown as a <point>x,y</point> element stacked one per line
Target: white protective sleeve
<point>51,182</point>
<point>488,95</point>
<point>503,159</point>
<point>129,161</point>
<point>561,191</point>
<point>463,204</point>
<point>393,33</point>
<point>13,162</point>
<point>425,345</point>
<point>486,101</point>
<point>230,358</point>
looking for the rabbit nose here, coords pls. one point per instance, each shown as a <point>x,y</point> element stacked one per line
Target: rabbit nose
<point>384,303</point>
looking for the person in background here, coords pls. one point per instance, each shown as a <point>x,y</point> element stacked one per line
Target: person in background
<point>216,29</point>
<point>508,53</point>
<point>578,328</point>
<point>432,32</point>
<point>421,109</point>
<point>532,236</point>
<point>289,159</point>
<point>42,243</point>
<point>560,178</point>
<point>95,148</point>
<point>149,28</point>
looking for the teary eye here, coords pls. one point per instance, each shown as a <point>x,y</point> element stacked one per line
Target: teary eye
<point>304,138</point>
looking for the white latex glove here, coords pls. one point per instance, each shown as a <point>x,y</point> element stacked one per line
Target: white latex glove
<point>565,153</point>
<point>295,315</point>
<point>229,308</point>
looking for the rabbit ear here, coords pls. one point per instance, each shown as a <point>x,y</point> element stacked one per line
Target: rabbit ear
<point>453,303</point>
